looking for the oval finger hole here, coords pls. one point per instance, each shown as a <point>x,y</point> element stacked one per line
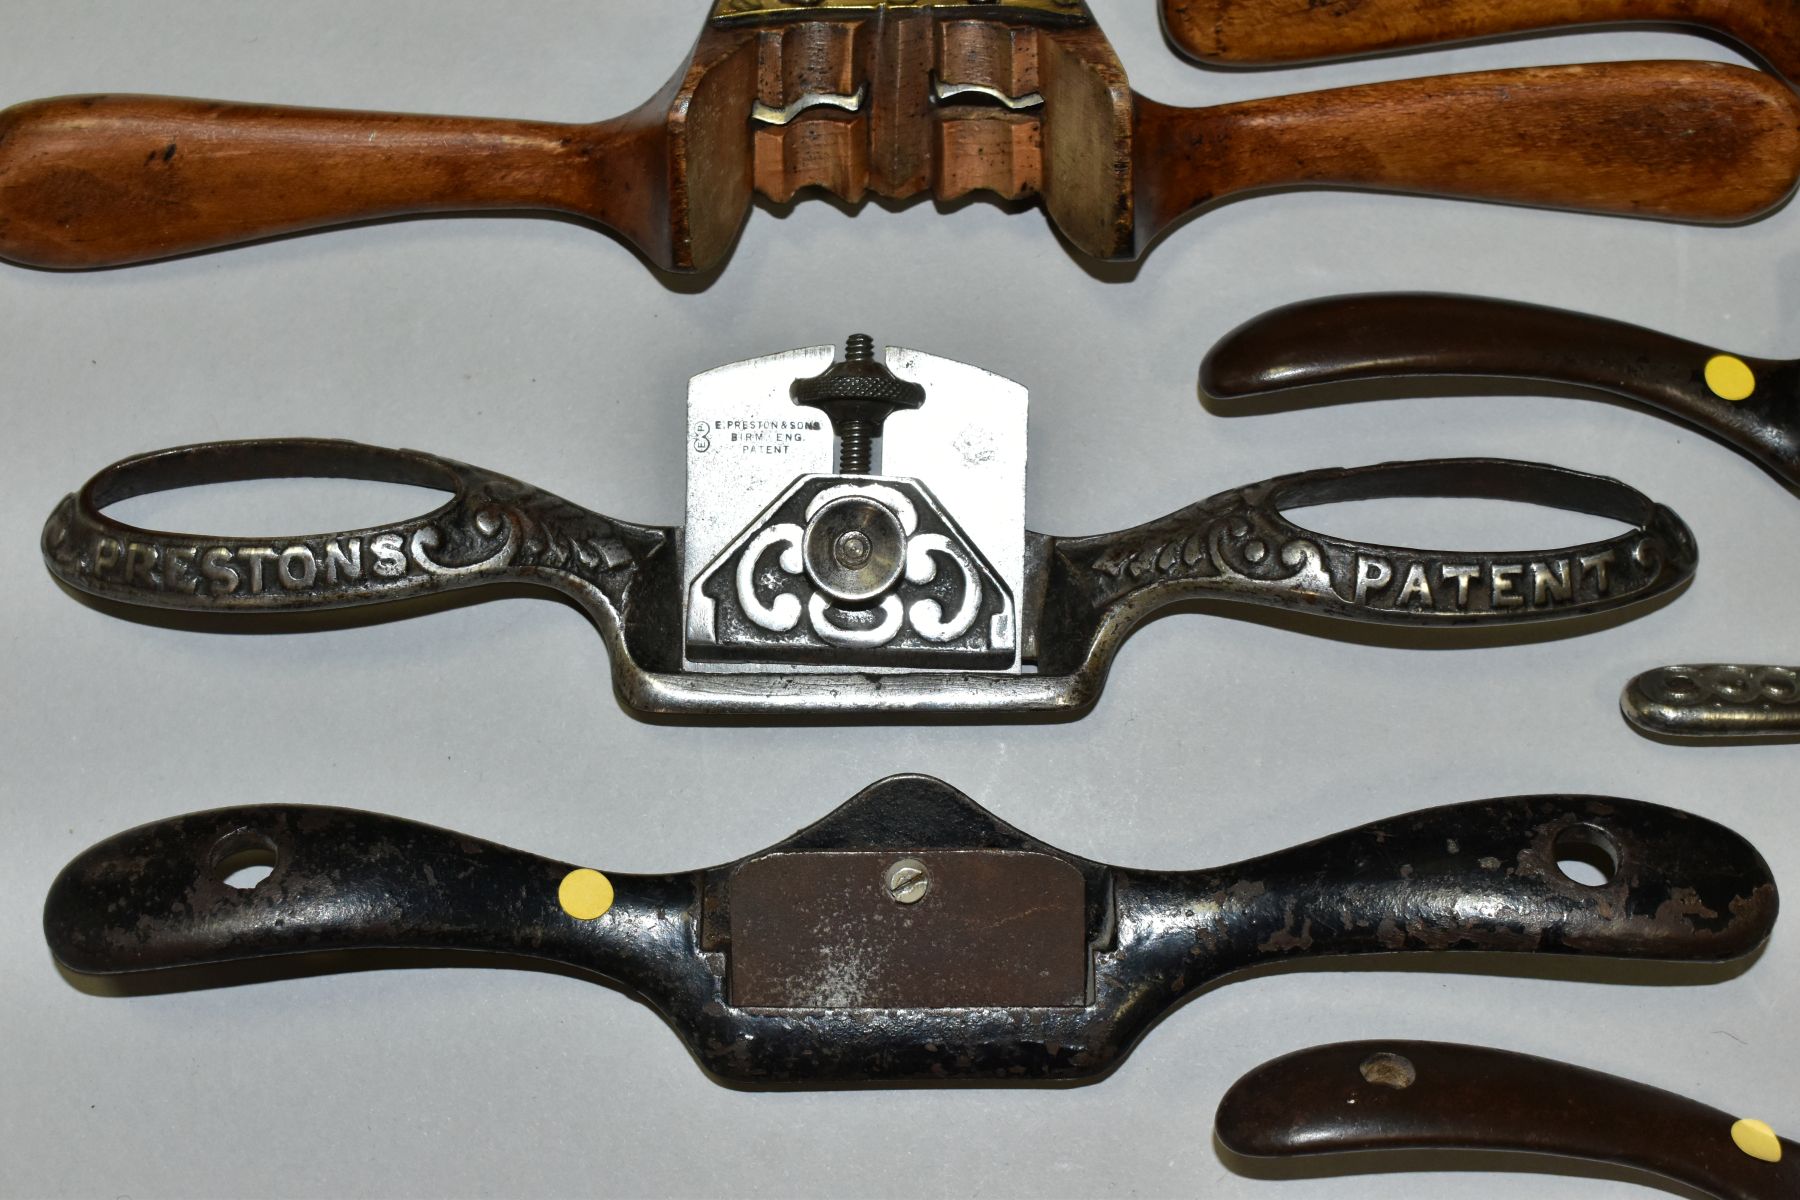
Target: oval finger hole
<point>252,508</point>
<point>1464,523</point>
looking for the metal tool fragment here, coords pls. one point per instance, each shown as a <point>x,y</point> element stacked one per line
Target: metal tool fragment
<point>1715,701</point>
<point>820,961</point>
<point>808,579</point>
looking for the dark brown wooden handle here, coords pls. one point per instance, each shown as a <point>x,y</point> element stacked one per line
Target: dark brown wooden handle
<point>1749,403</point>
<point>1264,32</point>
<point>98,181</point>
<point>1689,141</point>
<point>1404,1095</point>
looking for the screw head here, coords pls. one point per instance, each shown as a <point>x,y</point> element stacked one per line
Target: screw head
<point>854,549</point>
<point>907,881</point>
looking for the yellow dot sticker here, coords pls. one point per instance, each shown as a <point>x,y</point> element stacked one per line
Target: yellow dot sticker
<point>585,894</point>
<point>1730,377</point>
<point>1756,1139</point>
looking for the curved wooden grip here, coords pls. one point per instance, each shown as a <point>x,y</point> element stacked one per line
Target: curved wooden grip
<point>98,181</point>
<point>1683,140</point>
<point>1265,32</point>
<point>1349,338</point>
<point>1405,1095</point>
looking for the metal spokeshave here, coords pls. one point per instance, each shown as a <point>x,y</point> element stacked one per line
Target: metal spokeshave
<point>855,543</point>
<point>911,935</point>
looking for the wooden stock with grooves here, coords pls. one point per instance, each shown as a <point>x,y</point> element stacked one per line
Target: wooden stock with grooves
<point>1267,32</point>
<point>108,180</point>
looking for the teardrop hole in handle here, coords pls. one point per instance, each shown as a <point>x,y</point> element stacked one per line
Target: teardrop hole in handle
<point>1587,855</point>
<point>243,859</point>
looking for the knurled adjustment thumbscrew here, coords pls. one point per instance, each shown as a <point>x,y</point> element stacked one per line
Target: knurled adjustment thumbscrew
<point>858,394</point>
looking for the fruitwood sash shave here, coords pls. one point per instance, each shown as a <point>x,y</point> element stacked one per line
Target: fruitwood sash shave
<point>1404,1095</point>
<point>1019,98</point>
<point>911,935</point>
<point>856,543</point>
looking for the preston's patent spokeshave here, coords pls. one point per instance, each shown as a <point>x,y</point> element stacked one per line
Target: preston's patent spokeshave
<point>856,543</point>
<point>911,935</point>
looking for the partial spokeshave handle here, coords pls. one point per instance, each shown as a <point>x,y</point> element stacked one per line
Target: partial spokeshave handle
<point>1751,404</point>
<point>1266,32</point>
<point>1408,1095</point>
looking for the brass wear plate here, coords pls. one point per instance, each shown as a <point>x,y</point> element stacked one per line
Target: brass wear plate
<point>755,10</point>
<point>994,929</point>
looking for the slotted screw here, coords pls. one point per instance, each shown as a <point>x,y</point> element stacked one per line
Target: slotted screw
<point>907,881</point>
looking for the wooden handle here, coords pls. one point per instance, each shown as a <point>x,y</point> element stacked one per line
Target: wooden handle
<point>1404,1095</point>
<point>1747,402</point>
<point>98,181</point>
<point>1689,141</point>
<point>1264,32</point>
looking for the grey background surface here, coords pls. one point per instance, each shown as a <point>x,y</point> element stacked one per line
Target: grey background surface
<point>548,352</point>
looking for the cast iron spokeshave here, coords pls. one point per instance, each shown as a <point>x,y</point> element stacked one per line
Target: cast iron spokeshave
<point>856,543</point>
<point>912,935</point>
